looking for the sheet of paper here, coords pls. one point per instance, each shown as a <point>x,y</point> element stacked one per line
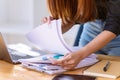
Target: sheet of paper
<point>49,37</point>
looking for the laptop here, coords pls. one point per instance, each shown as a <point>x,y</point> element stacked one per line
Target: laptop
<point>11,55</point>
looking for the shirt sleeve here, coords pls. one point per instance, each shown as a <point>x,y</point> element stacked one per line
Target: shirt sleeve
<point>113,17</point>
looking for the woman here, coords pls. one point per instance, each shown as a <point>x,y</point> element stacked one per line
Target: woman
<point>101,31</point>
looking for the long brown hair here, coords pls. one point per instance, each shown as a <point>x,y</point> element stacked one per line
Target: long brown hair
<point>65,9</point>
<point>86,10</point>
<point>74,10</point>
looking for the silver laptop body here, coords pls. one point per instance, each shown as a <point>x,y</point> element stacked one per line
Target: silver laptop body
<point>10,55</point>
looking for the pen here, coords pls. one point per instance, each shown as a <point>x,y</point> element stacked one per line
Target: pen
<point>105,68</point>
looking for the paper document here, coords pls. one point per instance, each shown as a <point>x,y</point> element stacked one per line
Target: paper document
<point>43,64</point>
<point>49,37</point>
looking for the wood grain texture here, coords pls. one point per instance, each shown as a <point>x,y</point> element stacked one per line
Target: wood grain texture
<point>17,72</point>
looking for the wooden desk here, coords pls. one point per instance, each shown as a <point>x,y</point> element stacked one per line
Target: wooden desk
<point>16,72</point>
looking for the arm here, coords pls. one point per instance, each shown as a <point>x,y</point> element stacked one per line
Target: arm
<point>111,30</point>
<point>113,17</point>
<point>72,59</point>
<point>99,42</point>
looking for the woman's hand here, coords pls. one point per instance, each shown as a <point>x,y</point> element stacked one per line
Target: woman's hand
<point>47,19</point>
<point>69,61</point>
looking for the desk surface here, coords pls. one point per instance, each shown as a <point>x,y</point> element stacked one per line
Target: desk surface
<point>17,72</point>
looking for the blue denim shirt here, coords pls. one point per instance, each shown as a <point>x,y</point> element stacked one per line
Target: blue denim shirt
<point>91,30</point>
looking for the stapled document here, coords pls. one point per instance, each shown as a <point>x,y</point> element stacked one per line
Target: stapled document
<point>43,64</point>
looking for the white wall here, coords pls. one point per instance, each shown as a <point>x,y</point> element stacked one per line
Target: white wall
<point>20,11</point>
<point>3,11</point>
<point>40,8</point>
<point>23,11</point>
<point>17,17</point>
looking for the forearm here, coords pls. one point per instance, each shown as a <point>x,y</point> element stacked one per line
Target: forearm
<point>96,44</point>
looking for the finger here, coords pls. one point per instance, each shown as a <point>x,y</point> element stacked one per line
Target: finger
<point>49,19</point>
<point>56,62</point>
<point>66,54</point>
<point>52,60</point>
<point>59,62</point>
<point>69,67</point>
<point>62,61</point>
<point>44,20</point>
<point>70,62</point>
<point>67,57</point>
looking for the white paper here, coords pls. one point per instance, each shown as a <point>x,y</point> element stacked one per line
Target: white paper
<point>49,37</point>
<point>44,65</point>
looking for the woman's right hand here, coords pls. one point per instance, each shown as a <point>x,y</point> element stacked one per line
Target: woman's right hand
<point>47,19</point>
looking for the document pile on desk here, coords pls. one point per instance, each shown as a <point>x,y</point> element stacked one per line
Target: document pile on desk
<point>49,37</point>
<point>43,64</point>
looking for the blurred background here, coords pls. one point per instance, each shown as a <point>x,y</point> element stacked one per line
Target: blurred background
<point>18,17</point>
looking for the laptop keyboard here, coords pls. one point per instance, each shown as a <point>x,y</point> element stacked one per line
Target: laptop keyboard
<point>15,55</point>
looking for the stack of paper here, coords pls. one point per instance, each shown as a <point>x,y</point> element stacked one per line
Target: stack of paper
<point>43,64</point>
<point>49,37</point>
